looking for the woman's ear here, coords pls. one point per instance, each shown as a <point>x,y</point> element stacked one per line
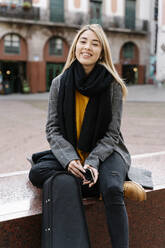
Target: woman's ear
<point>101,55</point>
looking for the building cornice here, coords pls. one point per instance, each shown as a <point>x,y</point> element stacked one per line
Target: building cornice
<point>68,26</point>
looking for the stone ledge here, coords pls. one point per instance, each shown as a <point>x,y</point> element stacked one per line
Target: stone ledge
<point>155,163</point>
<point>20,211</point>
<point>18,197</point>
<point>146,221</point>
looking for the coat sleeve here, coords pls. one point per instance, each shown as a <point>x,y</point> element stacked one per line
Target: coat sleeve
<point>105,146</point>
<point>61,148</point>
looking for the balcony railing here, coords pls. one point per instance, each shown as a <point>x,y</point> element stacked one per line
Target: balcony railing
<point>32,13</point>
<point>35,13</point>
<point>116,23</point>
<point>120,23</point>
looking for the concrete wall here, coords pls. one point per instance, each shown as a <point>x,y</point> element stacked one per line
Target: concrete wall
<point>143,9</point>
<point>40,3</point>
<point>77,5</point>
<point>114,8</point>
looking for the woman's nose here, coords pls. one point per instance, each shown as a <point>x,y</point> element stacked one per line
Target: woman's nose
<point>87,45</point>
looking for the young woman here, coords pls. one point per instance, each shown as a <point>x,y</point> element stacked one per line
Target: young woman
<point>83,128</point>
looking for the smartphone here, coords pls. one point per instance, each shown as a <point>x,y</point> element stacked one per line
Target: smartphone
<point>89,176</point>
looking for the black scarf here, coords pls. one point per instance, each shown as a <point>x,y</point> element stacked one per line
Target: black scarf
<point>98,113</point>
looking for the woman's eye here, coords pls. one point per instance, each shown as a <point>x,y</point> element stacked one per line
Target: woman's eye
<point>95,44</point>
<point>82,41</point>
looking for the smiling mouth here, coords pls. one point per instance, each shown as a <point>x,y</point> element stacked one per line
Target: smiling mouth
<point>86,55</point>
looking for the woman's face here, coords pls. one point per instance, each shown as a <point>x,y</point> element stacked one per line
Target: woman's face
<point>88,50</point>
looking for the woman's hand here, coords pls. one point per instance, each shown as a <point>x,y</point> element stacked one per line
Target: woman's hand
<point>75,167</point>
<point>95,175</point>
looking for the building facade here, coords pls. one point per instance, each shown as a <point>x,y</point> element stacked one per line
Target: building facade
<point>160,61</point>
<point>35,37</point>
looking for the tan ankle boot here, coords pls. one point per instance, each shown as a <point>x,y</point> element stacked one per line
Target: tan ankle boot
<point>134,191</point>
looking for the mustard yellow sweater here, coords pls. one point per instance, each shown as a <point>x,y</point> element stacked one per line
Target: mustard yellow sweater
<point>81,103</point>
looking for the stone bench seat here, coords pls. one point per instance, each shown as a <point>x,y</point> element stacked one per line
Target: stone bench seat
<point>19,198</point>
<point>21,209</point>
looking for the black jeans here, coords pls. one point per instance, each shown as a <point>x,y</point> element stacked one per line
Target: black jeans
<point>112,174</point>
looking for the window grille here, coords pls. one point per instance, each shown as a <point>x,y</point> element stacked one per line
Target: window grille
<point>12,44</point>
<point>128,50</point>
<point>56,46</point>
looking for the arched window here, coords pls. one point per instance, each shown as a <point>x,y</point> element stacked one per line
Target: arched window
<point>12,44</point>
<point>128,50</point>
<point>56,46</point>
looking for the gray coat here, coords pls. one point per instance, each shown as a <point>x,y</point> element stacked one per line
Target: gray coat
<point>112,141</point>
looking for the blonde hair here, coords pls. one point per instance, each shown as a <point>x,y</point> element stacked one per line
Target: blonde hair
<point>106,59</point>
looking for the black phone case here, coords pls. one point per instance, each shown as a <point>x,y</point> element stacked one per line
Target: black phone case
<point>88,175</point>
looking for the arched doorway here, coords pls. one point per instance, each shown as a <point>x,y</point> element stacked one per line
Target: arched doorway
<point>129,57</point>
<point>13,57</point>
<point>56,50</point>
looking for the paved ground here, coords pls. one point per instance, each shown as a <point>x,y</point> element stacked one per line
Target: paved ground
<point>146,93</point>
<point>23,119</point>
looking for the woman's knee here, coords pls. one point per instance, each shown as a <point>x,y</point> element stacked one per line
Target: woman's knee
<point>113,189</point>
<point>40,172</point>
<point>113,195</point>
<point>34,175</point>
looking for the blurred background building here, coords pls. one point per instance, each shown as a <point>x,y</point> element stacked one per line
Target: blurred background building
<point>35,36</point>
<point>160,62</point>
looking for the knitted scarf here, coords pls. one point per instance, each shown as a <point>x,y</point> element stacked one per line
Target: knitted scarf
<point>98,113</point>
